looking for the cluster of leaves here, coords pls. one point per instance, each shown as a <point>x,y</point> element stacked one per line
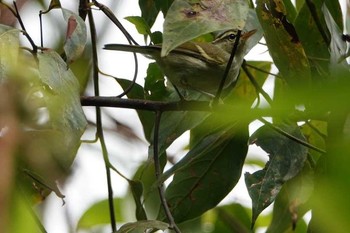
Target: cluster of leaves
<point>307,46</point>
<point>41,109</point>
<point>307,141</point>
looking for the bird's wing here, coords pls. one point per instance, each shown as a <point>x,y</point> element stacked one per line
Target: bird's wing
<point>187,49</point>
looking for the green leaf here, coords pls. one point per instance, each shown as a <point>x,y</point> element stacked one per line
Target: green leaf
<point>76,36</point>
<point>146,174</point>
<point>338,46</point>
<point>98,214</point>
<point>314,44</point>
<point>9,47</point>
<point>299,4</point>
<point>63,103</point>
<point>20,217</point>
<point>315,133</point>
<point>149,11</point>
<point>156,37</point>
<point>142,226</point>
<point>207,173</point>
<point>283,42</point>
<point>137,191</point>
<point>164,5</point>
<point>286,160</point>
<point>291,12</point>
<point>155,83</point>
<point>289,206</point>
<point>187,20</point>
<point>174,124</point>
<point>233,218</point>
<point>140,24</point>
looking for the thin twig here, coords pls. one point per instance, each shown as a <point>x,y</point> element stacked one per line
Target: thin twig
<point>41,29</point>
<point>322,135</point>
<point>261,70</point>
<point>228,67</point>
<point>141,104</point>
<point>158,172</point>
<point>291,137</point>
<point>114,19</point>
<point>255,84</point>
<point>99,121</point>
<point>35,48</point>
<point>130,39</point>
<point>203,106</point>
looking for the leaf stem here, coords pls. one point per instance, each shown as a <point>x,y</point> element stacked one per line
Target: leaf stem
<point>259,69</point>
<point>99,121</point>
<point>158,173</point>
<point>130,39</point>
<point>35,48</point>
<point>255,83</point>
<point>291,137</point>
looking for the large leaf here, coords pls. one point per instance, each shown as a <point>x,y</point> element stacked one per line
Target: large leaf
<point>188,19</point>
<point>98,214</point>
<point>337,45</point>
<point>208,173</point>
<point>142,226</point>
<point>286,160</point>
<point>52,120</point>
<point>174,124</point>
<point>9,49</point>
<point>314,43</point>
<point>283,42</point>
<point>233,218</point>
<point>289,206</point>
<point>63,102</point>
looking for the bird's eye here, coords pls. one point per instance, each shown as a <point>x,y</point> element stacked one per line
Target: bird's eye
<point>231,36</point>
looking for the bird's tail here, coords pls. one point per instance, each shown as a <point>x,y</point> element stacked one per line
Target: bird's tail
<point>147,50</point>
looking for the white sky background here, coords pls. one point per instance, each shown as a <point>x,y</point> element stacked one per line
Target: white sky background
<point>87,184</point>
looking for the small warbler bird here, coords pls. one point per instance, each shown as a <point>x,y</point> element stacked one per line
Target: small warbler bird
<point>198,66</point>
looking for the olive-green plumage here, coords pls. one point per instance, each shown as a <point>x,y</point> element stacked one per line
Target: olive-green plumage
<point>196,66</point>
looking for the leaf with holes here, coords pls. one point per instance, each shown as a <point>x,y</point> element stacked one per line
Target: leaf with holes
<point>286,160</point>
<point>188,19</point>
<point>283,42</point>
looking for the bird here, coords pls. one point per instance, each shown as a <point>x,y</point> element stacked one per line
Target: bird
<point>198,66</point>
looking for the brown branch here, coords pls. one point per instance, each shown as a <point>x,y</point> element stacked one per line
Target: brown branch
<point>158,172</point>
<point>149,105</point>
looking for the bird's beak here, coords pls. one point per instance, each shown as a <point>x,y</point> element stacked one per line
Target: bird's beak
<point>246,35</point>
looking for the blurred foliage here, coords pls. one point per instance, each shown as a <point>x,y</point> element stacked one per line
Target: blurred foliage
<point>307,141</point>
